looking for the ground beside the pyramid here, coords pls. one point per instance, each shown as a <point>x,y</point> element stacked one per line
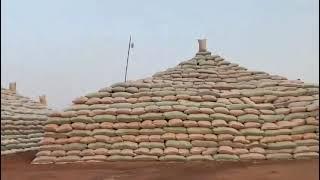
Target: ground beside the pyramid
<point>18,167</point>
<point>205,108</point>
<point>22,121</point>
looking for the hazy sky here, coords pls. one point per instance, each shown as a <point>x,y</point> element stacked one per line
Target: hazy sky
<point>67,48</point>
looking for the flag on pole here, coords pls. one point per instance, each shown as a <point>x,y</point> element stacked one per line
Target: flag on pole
<point>132,45</point>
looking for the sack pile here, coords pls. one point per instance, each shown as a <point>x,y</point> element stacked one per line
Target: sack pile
<point>205,108</point>
<point>22,122</point>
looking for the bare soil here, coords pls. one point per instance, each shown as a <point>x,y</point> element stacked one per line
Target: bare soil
<point>18,167</point>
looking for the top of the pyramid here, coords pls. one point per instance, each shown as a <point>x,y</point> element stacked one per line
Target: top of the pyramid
<point>202,75</point>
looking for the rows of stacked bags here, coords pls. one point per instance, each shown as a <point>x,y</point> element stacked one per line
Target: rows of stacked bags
<point>205,108</point>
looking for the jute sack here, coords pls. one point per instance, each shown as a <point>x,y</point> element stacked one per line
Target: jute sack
<point>225,157</point>
<point>145,158</point>
<point>127,152</point>
<point>178,144</point>
<point>199,130</point>
<point>200,143</point>
<point>199,158</point>
<point>279,156</point>
<point>210,151</point>
<point>156,152</point>
<point>125,145</point>
<point>95,158</point>
<point>252,156</point>
<point>306,155</point>
<point>172,158</point>
<point>119,158</point>
<point>151,145</point>
<point>44,160</point>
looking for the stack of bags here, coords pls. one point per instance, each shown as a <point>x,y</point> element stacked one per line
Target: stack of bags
<point>22,122</point>
<point>205,108</point>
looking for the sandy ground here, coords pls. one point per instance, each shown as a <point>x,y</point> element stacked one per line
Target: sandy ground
<point>18,167</point>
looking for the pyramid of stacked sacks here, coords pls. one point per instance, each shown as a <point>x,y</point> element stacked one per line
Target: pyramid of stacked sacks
<point>205,108</point>
<point>22,121</point>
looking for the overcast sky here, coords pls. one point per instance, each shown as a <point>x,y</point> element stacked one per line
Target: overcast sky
<point>67,48</point>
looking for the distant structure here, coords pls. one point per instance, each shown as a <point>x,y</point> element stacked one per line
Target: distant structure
<point>22,121</point>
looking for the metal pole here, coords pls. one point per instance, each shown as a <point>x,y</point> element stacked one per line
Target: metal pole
<point>125,77</point>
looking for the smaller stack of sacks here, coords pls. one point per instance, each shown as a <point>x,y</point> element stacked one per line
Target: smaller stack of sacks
<point>202,111</point>
<point>22,122</point>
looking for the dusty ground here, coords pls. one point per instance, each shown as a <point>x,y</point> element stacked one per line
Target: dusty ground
<point>18,167</point>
